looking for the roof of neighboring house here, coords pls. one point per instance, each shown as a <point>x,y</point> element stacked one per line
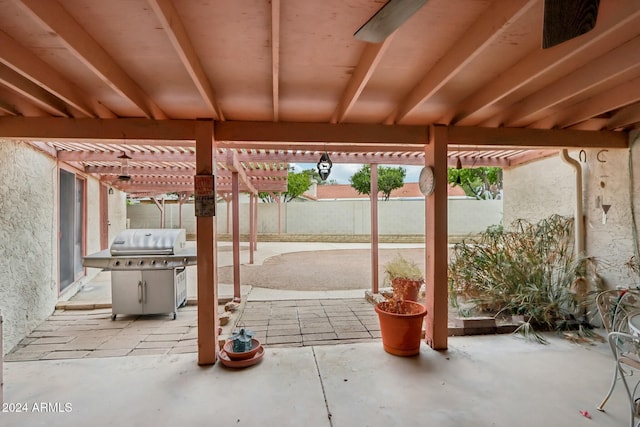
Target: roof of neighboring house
<point>346,191</point>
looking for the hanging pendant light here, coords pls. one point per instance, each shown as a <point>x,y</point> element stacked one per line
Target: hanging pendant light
<point>124,167</point>
<point>324,166</point>
<point>458,168</point>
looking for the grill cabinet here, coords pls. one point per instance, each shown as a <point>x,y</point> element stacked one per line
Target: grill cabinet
<point>148,270</point>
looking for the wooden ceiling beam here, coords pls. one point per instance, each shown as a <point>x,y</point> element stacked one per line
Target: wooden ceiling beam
<point>611,28</point>
<point>42,74</point>
<point>52,129</point>
<point>132,187</point>
<point>479,37</point>
<point>367,64</point>
<point>233,165</point>
<point>606,68</point>
<point>31,91</point>
<point>612,99</point>
<point>175,30</point>
<point>352,133</point>
<point>176,171</point>
<point>626,116</point>
<point>58,22</point>
<point>535,138</point>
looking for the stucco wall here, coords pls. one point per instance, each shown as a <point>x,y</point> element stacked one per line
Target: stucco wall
<point>547,186</point>
<point>29,286</point>
<point>117,214</point>
<point>538,189</point>
<point>350,217</point>
<point>28,244</point>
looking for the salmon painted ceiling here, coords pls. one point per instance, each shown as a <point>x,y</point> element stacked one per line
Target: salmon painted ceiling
<point>458,63</point>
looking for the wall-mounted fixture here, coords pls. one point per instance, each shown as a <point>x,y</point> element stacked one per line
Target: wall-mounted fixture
<point>324,166</point>
<point>110,191</point>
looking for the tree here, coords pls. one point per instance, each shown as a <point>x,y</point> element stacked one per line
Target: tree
<point>297,184</point>
<point>389,178</point>
<point>480,183</point>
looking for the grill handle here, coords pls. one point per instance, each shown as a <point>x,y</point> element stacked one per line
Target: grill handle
<point>140,291</point>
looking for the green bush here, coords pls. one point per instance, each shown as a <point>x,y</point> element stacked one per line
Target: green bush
<point>529,270</point>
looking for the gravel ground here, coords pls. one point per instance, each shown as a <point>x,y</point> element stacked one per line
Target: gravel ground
<point>317,270</point>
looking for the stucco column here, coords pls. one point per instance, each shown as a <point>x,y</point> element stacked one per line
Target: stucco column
<point>205,247</point>
<point>436,253</point>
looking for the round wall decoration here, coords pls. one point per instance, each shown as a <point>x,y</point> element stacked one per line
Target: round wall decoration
<point>426,181</point>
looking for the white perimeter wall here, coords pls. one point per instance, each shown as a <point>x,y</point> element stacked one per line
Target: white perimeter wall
<point>350,217</point>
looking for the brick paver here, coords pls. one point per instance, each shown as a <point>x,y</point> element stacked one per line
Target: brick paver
<point>92,333</point>
<point>311,322</point>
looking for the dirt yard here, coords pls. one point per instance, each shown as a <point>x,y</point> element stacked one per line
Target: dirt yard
<point>318,270</point>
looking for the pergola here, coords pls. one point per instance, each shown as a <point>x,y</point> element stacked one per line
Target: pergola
<point>240,89</point>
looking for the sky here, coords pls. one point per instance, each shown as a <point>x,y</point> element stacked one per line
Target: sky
<point>341,172</point>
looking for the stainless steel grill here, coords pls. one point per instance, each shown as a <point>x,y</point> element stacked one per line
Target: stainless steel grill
<point>147,270</point>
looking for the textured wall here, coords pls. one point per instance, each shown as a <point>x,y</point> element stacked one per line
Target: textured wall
<point>28,284</point>
<point>544,187</point>
<point>349,217</point>
<point>538,189</point>
<point>28,237</point>
<point>117,213</point>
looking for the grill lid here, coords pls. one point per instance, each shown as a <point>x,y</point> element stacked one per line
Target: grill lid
<point>149,242</point>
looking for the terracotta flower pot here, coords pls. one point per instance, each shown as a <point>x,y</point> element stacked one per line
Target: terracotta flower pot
<point>401,333</point>
<point>406,289</point>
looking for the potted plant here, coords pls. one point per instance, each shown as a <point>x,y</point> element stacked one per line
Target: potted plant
<point>401,318</point>
<point>406,278</point>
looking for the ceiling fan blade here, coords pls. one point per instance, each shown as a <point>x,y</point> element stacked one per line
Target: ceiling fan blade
<point>566,19</point>
<point>386,20</point>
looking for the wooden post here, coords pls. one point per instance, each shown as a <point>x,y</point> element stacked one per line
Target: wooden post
<point>205,247</point>
<point>279,214</point>
<point>373,195</point>
<point>255,222</point>
<point>235,190</point>
<point>251,226</point>
<point>436,240</point>
<point>182,198</point>
<point>161,208</point>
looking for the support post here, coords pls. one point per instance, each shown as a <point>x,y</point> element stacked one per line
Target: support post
<point>235,189</point>
<point>373,195</point>
<point>436,240</point>
<point>205,248</point>
<point>161,208</point>
<point>255,222</point>
<point>252,222</point>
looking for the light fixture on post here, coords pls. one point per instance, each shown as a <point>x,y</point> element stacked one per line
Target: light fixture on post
<point>324,166</point>
<point>124,167</point>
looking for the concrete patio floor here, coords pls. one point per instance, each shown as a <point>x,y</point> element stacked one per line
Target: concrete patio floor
<point>491,380</point>
<point>77,370</point>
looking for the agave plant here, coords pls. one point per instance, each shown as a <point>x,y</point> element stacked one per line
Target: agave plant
<point>529,270</point>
